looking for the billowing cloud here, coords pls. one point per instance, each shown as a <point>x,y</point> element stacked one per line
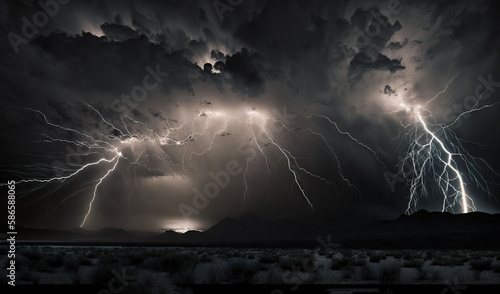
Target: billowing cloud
<point>158,80</point>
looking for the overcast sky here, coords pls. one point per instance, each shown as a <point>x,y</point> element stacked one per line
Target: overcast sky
<point>232,98</point>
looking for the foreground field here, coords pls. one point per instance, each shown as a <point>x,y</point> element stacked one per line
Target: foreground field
<point>172,269</point>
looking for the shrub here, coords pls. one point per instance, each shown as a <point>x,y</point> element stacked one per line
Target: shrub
<point>425,273</point>
<point>416,263</point>
<point>288,263</point>
<point>216,274</point>
<point>250,256</point>
<point>93,254</point>
<point>76,278</point>
<point>335,264</point>
<point>449,261</point>
<point>268,257</point>
<point>55,260</point>
<point>309,278</point>
<point>22,262</point>
<point>147,285</point>
<point>429,255</point>
<point>389,272</point>
<point>84,260</point>
<point>481,264</point>
<point>348,253</point>
<point>348,271</point>
<point>174,262</point>
<point>359,262</point>
<point>377,257</point>
<point>397,254</point>
<point>368,273</point>
<point>101,275</point>
<point>242,270</point>
<point>107,259</point>
<point>339,263</point>
<point>305,261</point>
<point>32,253</point>
<point>206,257</point>
<point>29,276</point>
<point>42,266</point>
<point>152,263</point>
<point>134,258</point>
<point>71,264</point>
<point>496,267</point>
<point>326,252</point>
<point>180,265</point>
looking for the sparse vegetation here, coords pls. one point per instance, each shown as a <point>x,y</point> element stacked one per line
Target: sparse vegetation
<point>425,273</point>
<point>483,264</point>
<point>217,273</point>
<point>339,263</point>
<point>368,273</point>
<point>29,276</point>
<point>55,260</point>
<point>389,272</point>
<point>101,275</point>
<point>133,258</point>
<point>242,270</point>
<point>268,257</point>
<point>348,272</point>
<point>397,254</point>
<point>359,262</point>
<point>32,253</point>
<point>299,262</point>
<point>274,276</point>
<point>185,266</point>
<point>107,259</point>
<point>377,257</point>
<point>429,255</point>
<point>496,267</point>
<point>416,263</point>
<point>76,277</point>
<point>181,266</point>
<point>71,264</point>
<point>85,261</point>
<point>43,266</point>
<point>448,261</point>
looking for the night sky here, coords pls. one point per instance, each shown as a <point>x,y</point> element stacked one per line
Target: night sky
<point>115,113</point>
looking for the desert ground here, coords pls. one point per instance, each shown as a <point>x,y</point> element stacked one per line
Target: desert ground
<point>175,269</point>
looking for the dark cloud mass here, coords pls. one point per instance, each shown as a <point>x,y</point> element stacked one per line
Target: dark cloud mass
<point>180,89</point>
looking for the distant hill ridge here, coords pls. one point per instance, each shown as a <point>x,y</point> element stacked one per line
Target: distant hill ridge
<point>420,228</point>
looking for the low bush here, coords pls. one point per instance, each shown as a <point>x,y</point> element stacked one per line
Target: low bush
<point>482,264</point>
<point>368,273</point>
<point>101,275</point>
<point>359,262</point>
<point>55,260</point>
<point>416,263</point>
<point>268,257</point>
<point>496,267</point>
<point>425,273</point>
<point>29,276</point>
<point>348,271</point>
<point>71,264</point>
<point>301,262</point>
<point>389,273</point>
<point>242,270</point>
<point>377,257</point>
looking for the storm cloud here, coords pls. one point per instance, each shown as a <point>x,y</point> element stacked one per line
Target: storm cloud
<point>103,70</point>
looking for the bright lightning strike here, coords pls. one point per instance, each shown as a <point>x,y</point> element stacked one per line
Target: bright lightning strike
<point>436,161</point>
<point>125,145</point>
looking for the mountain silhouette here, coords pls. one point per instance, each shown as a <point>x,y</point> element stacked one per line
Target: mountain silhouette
<point>422,229</point>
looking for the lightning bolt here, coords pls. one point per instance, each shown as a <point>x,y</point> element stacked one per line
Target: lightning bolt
<point>117,158</point>
<point>127,144</point>
<point>436,159</point>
